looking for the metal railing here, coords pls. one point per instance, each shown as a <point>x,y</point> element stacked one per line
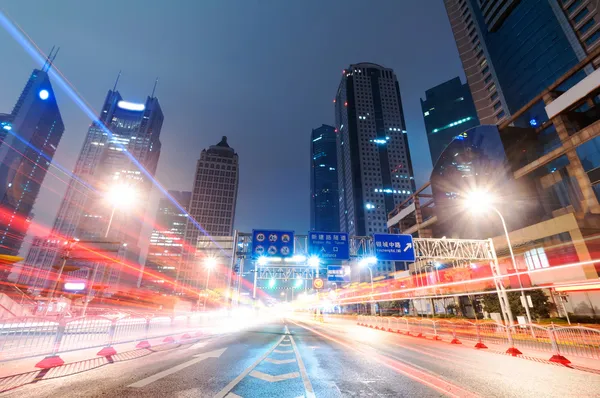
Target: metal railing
<point>36,336</point>
<point>577,341</point>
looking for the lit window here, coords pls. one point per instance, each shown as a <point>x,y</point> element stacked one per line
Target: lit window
<point>426,113</point>
<point>536,259</point>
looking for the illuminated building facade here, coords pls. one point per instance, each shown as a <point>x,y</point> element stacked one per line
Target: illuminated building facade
<point>29,137</point>
<point>448,110</point>
<point>374,167</point>
<point>123,139</point>
<point>166,243</point>
<point>324,213</point>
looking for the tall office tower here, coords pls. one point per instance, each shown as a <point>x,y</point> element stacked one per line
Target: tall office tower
<point>212,208</point>
<point>324,196</point>
<point>166,243</point>
<point>29,136</point>
<point>448,110</point>
<point>511,50</point>
<point>106,198</point>
<point>374,167</point>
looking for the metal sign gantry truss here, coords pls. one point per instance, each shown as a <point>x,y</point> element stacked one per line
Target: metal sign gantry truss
<point>287,272</point>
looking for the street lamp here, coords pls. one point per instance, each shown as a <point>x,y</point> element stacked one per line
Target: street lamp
<point>480,201</point>
<point>119,196</point>
<point>314,262</point>
<point>209,263</point>
<point>367,262</point>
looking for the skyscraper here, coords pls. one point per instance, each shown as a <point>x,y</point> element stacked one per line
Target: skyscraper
<point>374,167</point>
<point>448,110</point>
<point>212,206</point>
<point>166,243</point>
<point>324,212</point>
<point>124,139</point>
<point>29,137</point>
<point>512,50</point>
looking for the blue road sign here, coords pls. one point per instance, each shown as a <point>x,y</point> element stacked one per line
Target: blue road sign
<point>271,243</point>
<point>329,245</point>
<point>338,274</point>
<point>389,247</point>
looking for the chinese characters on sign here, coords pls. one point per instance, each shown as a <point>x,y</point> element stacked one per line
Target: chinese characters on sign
<point>390,247</point>
<point>329,245</point>
<point>272,243</point>
<point>338,273</point>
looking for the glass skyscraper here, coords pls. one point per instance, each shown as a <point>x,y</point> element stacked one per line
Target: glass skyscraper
<point>374,167</point>
<point>324,213</point>
<point>29,137</point>
<point>448,110</point>
<point>166,243</point>
<point>123,139</point>
<point>512,50</point>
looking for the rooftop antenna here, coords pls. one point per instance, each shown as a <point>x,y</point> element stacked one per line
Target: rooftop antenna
<point>51,60</point>
<point>48,59</point>
<point>154,89</point>
<point>117,81</point>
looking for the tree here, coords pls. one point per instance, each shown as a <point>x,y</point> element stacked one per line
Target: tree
<point>538,298</point>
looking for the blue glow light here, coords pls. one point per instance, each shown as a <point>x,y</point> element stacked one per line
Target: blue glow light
<point>533,122</point>
<point>7,127</point>
<point>131,106</point>
<point>44,94</point>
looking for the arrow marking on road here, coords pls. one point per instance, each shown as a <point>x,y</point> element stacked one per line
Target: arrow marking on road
<point>198,345</point>
<point>197,358</point>
<point>287,331</point>
<point>271,379</point>
<point>279,361</point>
<point>283,351</point>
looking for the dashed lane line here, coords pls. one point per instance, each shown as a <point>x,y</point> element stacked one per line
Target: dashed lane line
<point>272,378</point>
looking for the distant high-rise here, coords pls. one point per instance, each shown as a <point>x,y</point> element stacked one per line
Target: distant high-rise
<point>324,196</point>
<point>511,50</point>
<point>212,206</point>
<point>108,163</point>
<point>448,110</point>
<point>374,167</point>
<point>29,136</point>
<point>166,243</point>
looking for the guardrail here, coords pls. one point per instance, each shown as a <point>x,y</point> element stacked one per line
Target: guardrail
<point>559,340</point>
<point>35,336</point>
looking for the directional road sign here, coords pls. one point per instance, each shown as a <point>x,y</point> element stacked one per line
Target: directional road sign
<point>338,274</point>
<point>390,247</point>
<point>329,245</point>
<point>270,243</point>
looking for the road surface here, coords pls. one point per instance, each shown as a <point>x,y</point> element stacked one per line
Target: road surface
<point>300,358</point>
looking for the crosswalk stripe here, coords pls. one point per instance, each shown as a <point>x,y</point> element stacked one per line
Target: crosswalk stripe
<point>271,378</point>
<point>280,361</point>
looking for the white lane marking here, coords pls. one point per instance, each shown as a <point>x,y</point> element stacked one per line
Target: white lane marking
<point>279,361</point>
<point>283,351</point>
<point>284,345</point>
<point>310,393</point>
<point>271,378</point>
<point>197,358</point>
<point>232,395</point>
<point>287,331</point>
<point>234,382</point>
<point>198,345</point>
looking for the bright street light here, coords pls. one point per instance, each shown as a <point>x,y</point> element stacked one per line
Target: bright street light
<point>262,260</point>
<point>314,261</point>
<point>210,263</point>
<point>366,261</point>
<point>298,258</point>
<point>478,201</point>
<point>119,196</point>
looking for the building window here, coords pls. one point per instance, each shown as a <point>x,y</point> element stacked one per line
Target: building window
<point>494,96</point>
<point>536,259</point>
<point>579,17</point>
<point>485,70</point>
<point>483,63</point>
<point>593,38</point>
<point>497,105</point>
<point>574,6</point>
<point>492,87</point>
<point>500,116</point>
<point>586,26</point>
<point>487,79</point>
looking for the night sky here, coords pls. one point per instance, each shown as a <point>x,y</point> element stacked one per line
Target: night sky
<point>263,73</point>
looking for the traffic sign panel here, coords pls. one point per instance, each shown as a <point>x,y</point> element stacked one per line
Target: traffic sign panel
<point>318,283</point>
<point>338,273</point>
<point>391,247</point>
<point>271,243</point>
<point>329,245</point>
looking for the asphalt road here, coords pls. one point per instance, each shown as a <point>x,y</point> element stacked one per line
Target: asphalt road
<point>298,357</point>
